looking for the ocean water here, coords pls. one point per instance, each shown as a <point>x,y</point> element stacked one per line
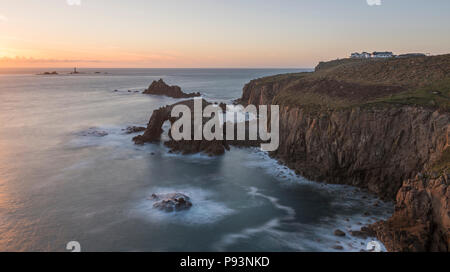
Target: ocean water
<point>58,183</point>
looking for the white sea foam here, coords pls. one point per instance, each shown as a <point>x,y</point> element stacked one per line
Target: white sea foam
<point>317,236</point>
<point>205,209</point>
<point>268,227</point>
<point>290,212</point>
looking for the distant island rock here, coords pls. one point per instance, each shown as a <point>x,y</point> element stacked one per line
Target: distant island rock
<point>48,73</point>
<point>161,88</point>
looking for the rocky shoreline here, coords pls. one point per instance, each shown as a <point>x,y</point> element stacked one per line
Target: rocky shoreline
<point>372,141</point>
<point>389,149</point>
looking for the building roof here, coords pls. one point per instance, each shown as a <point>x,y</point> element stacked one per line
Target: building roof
<point>382,53</point>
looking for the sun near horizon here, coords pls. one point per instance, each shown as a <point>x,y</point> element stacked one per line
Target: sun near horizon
<point>214,34</point>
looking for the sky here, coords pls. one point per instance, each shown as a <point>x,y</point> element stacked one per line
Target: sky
<point>214,33</point>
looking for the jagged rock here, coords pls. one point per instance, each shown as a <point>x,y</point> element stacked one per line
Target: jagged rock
<point>213,148</point>
<point>171,202</point>
<point>161,88</point>
<point>134,129</point>
<point>338,247</point>
<point>421,221</point>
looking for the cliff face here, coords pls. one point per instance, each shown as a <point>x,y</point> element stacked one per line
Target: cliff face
<point>257,93</point>
<point>371,148</point>
<point>382,136</point>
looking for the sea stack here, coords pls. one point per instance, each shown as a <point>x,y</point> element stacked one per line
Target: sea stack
<point>161,88</point>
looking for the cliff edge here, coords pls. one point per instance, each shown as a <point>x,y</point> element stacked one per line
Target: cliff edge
<point>381,125</point>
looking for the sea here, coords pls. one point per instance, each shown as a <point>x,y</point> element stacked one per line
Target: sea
<point>70,173</point>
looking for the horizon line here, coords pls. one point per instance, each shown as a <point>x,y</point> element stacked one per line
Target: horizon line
<point>71,67</point>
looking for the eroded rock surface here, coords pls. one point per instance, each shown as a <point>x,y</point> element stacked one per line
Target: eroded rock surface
<point>421,221</point>
<point>171,202</point>
<point>161,88</point>
<point>215,147</point>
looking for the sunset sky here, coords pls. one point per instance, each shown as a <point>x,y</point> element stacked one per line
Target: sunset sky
<point>213,33</point>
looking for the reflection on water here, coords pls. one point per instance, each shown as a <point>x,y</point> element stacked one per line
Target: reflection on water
<point>59,185</point>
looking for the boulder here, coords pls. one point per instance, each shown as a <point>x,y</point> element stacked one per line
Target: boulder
<point>171,202</point>
<point>339,232</point>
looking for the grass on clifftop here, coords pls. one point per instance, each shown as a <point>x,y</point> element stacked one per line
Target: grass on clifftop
<point>420,81</point>
<point>435,95</point>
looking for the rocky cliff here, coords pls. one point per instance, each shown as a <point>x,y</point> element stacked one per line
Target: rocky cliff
<point>384,134</point>
<point>380,125</point>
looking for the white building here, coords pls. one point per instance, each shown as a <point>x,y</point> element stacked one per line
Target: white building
<point>363,55</point>
<point>383,55</point>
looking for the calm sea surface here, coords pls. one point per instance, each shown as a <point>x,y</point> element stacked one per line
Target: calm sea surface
<point>60,184</point>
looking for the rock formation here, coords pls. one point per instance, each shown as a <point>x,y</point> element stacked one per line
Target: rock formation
<point>171,202</point>
<point>161,88</point>
<point>421,221</point>
<point>154,131</point>
<point>216,147</point>
<point>375,125</point>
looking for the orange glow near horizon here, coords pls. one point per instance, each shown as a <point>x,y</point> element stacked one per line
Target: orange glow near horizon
<point>202,33</point>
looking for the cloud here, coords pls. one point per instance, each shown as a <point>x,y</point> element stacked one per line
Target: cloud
<point>3,18</point>
<point>374,2</point>
<point>73,2</point>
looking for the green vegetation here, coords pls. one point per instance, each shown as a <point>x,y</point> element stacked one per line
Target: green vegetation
<point>435,95</point>
<point>419,81</point>
<point>281,77</point>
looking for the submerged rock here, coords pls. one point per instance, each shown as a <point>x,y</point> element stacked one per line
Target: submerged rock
<point>171,202</point>
<point>93,132</point>
<point>363,233</point>
<point>339,232</point>
<point>338,247</point>
<point>134,129</point>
